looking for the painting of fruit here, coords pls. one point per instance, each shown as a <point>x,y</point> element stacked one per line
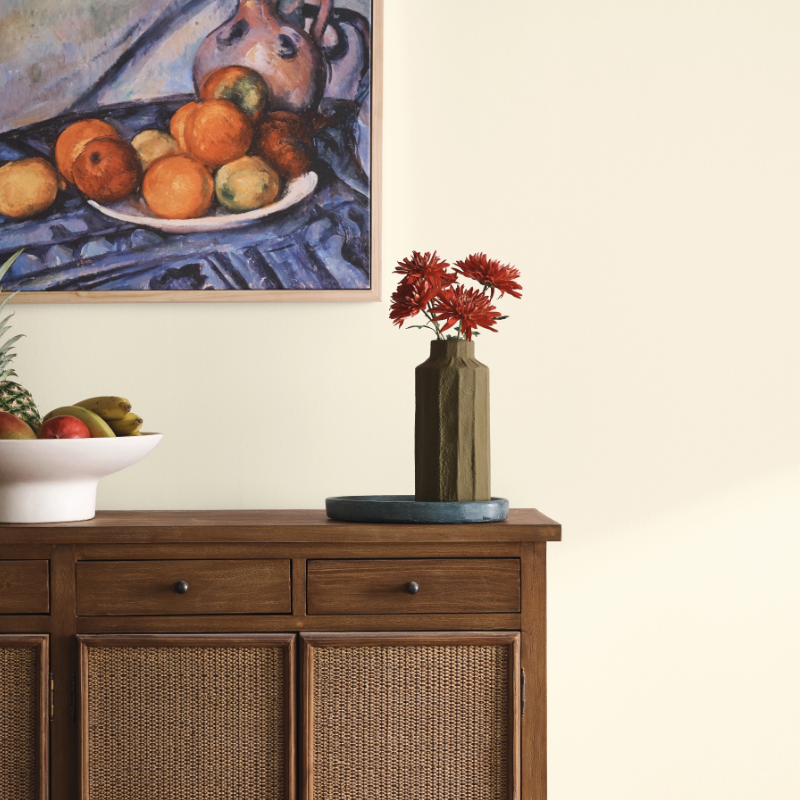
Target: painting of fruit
<point>152,145</point>
<point>218,132</point>
<point>286,141</point>
<point>27,187</point>
<point>242,86</point>
<point>178,187</point>
<point>74,138</point>
<point>247,184</point>
<point>107,169</point>
<point>188,150</point>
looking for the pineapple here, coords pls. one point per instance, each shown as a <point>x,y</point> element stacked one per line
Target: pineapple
<point>13,398</point>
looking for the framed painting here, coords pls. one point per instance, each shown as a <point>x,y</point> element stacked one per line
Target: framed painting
<point>191,150</point>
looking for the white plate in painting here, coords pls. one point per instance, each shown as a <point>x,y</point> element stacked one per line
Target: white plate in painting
<point>135,210</point>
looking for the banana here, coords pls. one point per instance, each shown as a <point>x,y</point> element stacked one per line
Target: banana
<point>107,408</point>
<point>126,426</point>
<point>98,428</point>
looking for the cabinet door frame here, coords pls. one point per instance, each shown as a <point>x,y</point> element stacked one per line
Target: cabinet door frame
<point>41,644</point>
<point>309,642</point>
<point>285,640</point>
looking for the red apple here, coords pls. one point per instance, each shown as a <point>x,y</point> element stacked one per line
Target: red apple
<point>12,427</point>
<point>64,427</point>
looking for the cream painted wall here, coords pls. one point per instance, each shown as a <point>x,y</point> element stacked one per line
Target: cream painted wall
<point>639,161</point>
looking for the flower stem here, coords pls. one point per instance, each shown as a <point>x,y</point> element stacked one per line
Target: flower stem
<point>435,323</point>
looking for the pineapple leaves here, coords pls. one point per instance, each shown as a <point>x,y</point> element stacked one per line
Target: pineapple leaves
<point>10,342</point>
<point>3,304</point>
<point>6,353</point>
<point>7,266</point>
<point>4,327</point>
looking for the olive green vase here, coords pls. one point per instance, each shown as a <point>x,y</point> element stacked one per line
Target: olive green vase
<point>451,439</point>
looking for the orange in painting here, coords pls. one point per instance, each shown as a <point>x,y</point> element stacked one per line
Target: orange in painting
<point>107,169</point>
<point>242,86</point>
<point>180,119</point>
<point>178,187</point>
<point>74,138</point>
<point>218,132</point>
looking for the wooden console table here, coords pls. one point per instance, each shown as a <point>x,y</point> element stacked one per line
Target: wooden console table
<point>253,655</point>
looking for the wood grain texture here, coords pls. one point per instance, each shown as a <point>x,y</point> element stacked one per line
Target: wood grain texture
<point>131,588</point>
<point>534,662</point>
<point>299,586</point>
<point>43,714</point>
<point>161,527</point>
<point>376,151</point>
<point>285,622</point>
<point>63,665</point>
<point>455,586</point>
<point>335,550</point>
<point>24,587</point>
<point>175,539</point>
<point>25,623</point>
<point>217,296</point>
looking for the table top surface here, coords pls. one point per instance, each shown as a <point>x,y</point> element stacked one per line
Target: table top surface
<point>522,525</point>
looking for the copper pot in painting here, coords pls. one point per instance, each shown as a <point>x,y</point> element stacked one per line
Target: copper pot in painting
<point>258,36</point>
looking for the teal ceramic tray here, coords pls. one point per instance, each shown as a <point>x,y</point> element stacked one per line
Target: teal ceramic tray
<point>402,508</point>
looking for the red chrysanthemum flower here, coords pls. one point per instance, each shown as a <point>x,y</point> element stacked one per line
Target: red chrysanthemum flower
<point>469,308</point>
<point>429,268</point>
<point>410,298</point>
<point>491,273</point>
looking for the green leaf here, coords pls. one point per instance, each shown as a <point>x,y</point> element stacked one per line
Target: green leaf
<point>10,297</point>
<point>4,327</point>
<point>7,266</point>
<point>10,342</point>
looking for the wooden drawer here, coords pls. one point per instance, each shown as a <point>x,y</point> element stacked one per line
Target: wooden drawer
<point>446,586</point>
<point>24,587</point>
<point>133,588</point>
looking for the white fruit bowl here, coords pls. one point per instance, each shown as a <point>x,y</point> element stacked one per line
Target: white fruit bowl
<point>55,480</point>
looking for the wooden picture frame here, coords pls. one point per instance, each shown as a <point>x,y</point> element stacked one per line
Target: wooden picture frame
<point>102,264</point>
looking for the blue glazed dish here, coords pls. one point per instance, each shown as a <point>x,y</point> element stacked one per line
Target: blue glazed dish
<point>402,508</point>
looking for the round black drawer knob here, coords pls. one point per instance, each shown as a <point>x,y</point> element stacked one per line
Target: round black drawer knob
<point>181,587</point>
<point>412,588</point>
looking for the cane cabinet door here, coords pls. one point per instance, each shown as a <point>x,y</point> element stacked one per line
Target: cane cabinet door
<point>24,715</point>
<point>206,717</point>
<point>410,715</point>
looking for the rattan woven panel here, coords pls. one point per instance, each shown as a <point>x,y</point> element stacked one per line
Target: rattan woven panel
<point>186,723</point>
<point>18,721</point>
<point>411,723</point>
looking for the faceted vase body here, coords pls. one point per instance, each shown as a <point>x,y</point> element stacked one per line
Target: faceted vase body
<point>452,425</point>
<point>258,37</point>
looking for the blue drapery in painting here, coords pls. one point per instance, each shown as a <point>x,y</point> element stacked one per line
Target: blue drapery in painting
<point>322,243</point>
